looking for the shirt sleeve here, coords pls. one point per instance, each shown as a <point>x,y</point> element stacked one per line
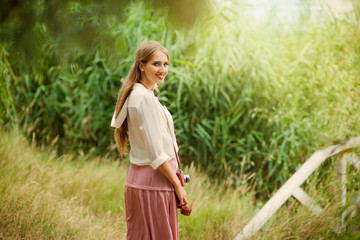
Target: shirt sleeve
<point>152,125</point>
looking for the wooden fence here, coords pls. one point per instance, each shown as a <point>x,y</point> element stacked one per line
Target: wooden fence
<point>292,186</point>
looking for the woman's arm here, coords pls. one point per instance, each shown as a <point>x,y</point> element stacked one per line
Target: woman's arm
<point>166,169</point>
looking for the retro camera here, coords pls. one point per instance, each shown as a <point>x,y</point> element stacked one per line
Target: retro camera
<point>182,177</point>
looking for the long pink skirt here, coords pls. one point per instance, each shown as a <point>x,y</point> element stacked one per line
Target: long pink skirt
<point>150,200</point>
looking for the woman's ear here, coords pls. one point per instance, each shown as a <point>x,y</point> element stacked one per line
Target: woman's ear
<point>141,66</point>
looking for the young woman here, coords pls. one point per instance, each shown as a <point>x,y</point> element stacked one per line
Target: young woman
<point>152,187</point>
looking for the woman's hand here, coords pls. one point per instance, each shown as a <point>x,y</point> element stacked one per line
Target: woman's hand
<point>171,176</point>
<point>181,194</point>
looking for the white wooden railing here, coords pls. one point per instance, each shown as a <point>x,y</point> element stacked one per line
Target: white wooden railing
<point>292,186</point>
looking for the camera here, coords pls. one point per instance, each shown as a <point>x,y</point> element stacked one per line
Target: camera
<point>182,177</point>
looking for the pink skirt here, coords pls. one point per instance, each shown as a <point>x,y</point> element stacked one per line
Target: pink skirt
<point>150,200</point>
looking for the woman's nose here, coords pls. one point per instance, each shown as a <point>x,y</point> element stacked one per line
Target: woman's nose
<point>163,68</point>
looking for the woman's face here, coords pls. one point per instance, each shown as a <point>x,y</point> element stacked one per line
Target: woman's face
<point>155,70</point>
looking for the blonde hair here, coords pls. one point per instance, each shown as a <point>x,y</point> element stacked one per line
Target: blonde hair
<point>143,54</point>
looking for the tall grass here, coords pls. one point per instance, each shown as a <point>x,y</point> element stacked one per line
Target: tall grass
<point>246,97</point>
<point>43,196</point>
<point>6,74</point>
<point>48,197</point>
<point>265,94</point>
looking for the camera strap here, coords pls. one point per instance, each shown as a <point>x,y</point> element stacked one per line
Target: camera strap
<point>172,140</point>
<point>185,210</point>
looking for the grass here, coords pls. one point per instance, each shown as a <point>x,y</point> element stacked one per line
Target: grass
<point>251,102</point>
<point>47,197</point>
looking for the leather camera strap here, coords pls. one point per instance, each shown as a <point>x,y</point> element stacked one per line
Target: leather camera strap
<point>185,210</point>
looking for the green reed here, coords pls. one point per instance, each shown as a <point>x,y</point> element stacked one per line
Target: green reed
<point>246,97</point>
<point>6,75</point>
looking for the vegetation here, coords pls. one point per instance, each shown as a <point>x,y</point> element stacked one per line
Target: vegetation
<point>31,26</point>
<point>48,197</point>
<point>246,97</point>
<point>6,104</point>
<point>43,196</point>
<point>251,102</point>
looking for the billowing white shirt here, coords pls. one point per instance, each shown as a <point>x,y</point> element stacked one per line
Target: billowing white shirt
<point>151,139</point>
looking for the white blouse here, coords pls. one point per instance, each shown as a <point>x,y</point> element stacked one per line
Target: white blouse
<point>151,141</point>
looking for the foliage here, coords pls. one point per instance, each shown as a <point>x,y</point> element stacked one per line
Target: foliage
<point>246,97</point>
<point>261,98</point>
<point>6,103</point>
<point>45,196</point>
<point>73,24</point>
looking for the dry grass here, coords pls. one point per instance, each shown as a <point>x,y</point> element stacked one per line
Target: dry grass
<point>44,197</point>
<point>47,198</point>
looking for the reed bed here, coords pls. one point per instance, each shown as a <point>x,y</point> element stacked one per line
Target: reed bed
<point>247,98</point>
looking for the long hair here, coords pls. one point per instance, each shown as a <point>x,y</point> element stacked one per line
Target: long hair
<point>143,54</point>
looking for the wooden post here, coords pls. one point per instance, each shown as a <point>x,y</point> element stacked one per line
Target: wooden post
<point>341,170</point>
<point>352,159</point>
<point>347,158</point>
<point>305,200</point>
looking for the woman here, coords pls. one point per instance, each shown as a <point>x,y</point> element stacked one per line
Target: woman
<point>152,187</point>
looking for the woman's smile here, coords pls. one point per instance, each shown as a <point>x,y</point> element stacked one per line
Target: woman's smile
<point>161,76</point>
